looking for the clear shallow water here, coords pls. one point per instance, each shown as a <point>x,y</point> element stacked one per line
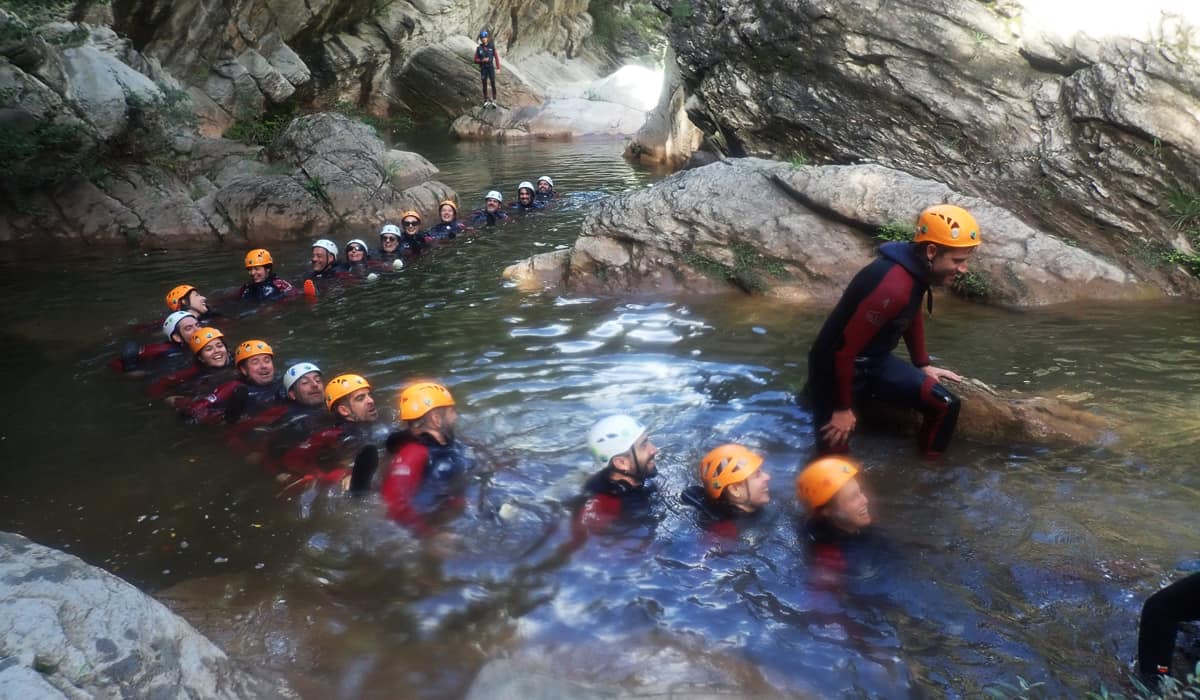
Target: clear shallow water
<point>995,563</point>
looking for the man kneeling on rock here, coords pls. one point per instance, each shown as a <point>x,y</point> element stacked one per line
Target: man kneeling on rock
<point>852,359</point>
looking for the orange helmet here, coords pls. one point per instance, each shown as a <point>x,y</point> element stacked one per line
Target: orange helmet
<point>250,348</point>
<point>444,202</point>
<point>822,479</point>
<point>259,256</point>
<point>418,399</point>
<point>413,214</point>
<point>727,465</point>
<point>176,296</point>
<point>948,225</point>
<point>341,386</point>
<point>202,337</point>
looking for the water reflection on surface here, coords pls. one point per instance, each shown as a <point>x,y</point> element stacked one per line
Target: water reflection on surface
<point>990,564</point>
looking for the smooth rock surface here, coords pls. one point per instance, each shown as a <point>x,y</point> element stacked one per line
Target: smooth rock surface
<point>802,233</point>
<point>70,630</point>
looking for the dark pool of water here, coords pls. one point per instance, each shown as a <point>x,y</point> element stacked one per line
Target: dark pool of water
<point>996,563</point>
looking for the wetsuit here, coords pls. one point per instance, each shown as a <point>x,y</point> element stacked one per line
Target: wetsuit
<point>609,500</point>
<point>277,428</point>
<point>232,400</point>
<point>195,377</point>
<point>489,62</point>
<point>139,357</point>
<point>443,231</point>
<point>532,206</point>
<point>270,289</point>
<point>424,479</point>
<point>545,196</point>
<point>483,217</point>
<point>1161,616</point>
<point>852,359</point>
<point>323,455</point>
<point>717,517</point>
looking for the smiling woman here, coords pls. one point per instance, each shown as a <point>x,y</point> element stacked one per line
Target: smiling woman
<point>989,553</point>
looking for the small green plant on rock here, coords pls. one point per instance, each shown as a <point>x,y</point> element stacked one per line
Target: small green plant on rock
<point>799,160</point>
<point>747,271</point>
<point>895,231</point>
<point>1184,207</point>
<point>315,186</point>
<point>973,285</point>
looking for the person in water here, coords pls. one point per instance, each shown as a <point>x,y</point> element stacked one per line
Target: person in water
<point>545,189</point>
<point>413,240</point>
<point>834,499</point>
<point>255,390</point>
<point>1161,615</point>
<point>852,359</point>
<point>177,326</point>
<point>622,447</point>
<point>357,257</point>
<point>489,65</point>
<point>185,297</point>
<point>323,455</point>
<point>324,260</point>
<point>209,368</point>
<point>448,226</point>
<point>264,285</point>
<point>289,421</point>
<point>389,244</point>
<point>525,199</point>
<point>733,487</point>
<point>424,480</point>
<point>491,214</point>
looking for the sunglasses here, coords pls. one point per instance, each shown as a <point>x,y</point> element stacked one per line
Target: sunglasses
<point>411,223</point>
<point>355,249</point>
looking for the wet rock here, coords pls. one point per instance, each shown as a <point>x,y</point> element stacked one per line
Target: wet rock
<point>668,137</point>
<point>561,118</point>
<point>802,232</point>
<point>70,630</point>
<point>1080,123</point>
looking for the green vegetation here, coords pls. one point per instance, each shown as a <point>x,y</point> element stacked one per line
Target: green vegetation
<point>973,285</point>
<point>1184,208</point>
<point>895,231</point>
<point>387,128</point>
<point>799,160</point>
<point>261,130</point>
<point>316,187</point>
<point>682,11</point>
<point>748,269</point>
<point>43,156</point>
<point>613,25</point>
<point>39,11</point>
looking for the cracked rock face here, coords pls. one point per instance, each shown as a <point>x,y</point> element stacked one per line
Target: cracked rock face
<point>1080,120</point>
<point>801,233</point>
<point>70,630</point>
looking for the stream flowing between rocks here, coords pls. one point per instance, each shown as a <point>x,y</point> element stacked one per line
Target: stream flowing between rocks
<point>991,564</point>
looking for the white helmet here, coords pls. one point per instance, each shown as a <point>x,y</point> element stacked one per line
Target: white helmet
<point>357,241</point>
<point>613,436</point>
<point>296,371</point>
<point>327,245</point>
<point>494,194</point>
<point>173,321</point>
<point>527,185</point>
<point>546,179</point>
<point>390,230</point>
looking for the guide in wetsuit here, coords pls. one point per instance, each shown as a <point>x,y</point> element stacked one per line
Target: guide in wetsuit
<point>622,446</point>
<point>852,359</point>
<point>489,65</point>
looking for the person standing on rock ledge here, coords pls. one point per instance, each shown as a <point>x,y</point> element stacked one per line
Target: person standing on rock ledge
<point>489,65</point>
<point>852,359</point>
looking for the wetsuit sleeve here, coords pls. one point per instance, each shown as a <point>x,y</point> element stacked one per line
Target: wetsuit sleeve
<point>400,485</point>
<point>285,288</point>
<point>306,457</point>
<point>598,514</point>
<point>166,384</point>
<point>478,57</point>
<point>210,408</point>
<point>887,300</point>
<point>496,56</point>
<point>914,338</point>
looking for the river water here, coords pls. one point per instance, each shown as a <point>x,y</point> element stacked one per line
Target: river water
<point>992,564</point>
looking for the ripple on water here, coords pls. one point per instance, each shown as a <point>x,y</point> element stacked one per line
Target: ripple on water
<point>553,330</point>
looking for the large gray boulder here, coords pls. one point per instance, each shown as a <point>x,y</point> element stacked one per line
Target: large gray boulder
<point>668,137</point>
<point>1082,121</point>
<point>801,233</point>
<point>71,630</point>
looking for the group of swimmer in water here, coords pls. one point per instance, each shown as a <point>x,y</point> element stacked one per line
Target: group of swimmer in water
<point>311,431</point>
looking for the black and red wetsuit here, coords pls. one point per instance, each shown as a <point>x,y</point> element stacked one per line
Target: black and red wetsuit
<point>270,289</point>
<point>717,517</point>
<point>211,407</point>
<point>445,231</point>
<point>1161,616</point>
<point>851,359</point>
<point>609,500</point>
<point>325,455</point>
<point>195,378</point>
<point>424,480</point>
<point>151,355</point>
<point>277,428</point>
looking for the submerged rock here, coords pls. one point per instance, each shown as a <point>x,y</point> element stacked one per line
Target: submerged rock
<point>70,630</point>
<point>801,233</point>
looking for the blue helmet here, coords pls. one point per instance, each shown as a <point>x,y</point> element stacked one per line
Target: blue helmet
<point>483,33</point>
